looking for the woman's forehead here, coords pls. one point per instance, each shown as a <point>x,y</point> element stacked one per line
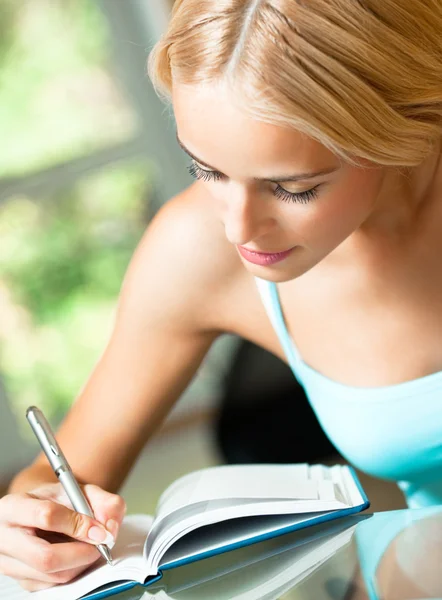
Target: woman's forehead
<point>212,127</point>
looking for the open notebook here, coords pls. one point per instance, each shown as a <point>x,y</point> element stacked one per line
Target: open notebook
<point>215,511</point>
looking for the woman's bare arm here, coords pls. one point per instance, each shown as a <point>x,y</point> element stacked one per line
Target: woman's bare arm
<point>162,332</point>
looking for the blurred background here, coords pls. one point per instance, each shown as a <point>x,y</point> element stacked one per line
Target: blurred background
<point>88,155</point>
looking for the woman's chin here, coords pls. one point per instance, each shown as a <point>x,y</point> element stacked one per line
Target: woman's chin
<point>274,273</point>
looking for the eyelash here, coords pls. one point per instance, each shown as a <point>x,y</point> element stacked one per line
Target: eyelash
<point>279,192</point>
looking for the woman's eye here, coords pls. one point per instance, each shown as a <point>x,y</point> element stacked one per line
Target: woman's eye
<point>203,174</point>
<point>303,197</point>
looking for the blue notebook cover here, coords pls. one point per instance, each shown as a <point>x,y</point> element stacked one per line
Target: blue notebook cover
<point>118,587</point>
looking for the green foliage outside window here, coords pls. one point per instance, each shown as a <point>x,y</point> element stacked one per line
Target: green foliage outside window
<point>62,263</point>
<point>62,254</point>
<point>59,99</point>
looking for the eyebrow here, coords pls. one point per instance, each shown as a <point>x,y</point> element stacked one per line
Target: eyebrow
<point>280,178</point>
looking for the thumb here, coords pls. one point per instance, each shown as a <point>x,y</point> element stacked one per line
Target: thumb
<point>108,510</point>
<point>49,516</point>
<point>102,527</point>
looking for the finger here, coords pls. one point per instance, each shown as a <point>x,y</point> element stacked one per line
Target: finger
<point>22,510</point>
<point>43,556</point>
<point>50,491</point>
<point>14,568</point>
<point>106,506</point>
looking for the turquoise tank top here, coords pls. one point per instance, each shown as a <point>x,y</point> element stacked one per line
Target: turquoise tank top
<point>392,432</point>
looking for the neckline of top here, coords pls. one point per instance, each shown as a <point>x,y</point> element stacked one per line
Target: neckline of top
<point>311,377</point>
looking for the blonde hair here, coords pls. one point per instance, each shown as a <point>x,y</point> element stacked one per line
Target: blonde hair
<point>362,77</point>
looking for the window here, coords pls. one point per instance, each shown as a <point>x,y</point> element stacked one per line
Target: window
<point>85,147</point>
<point>80,177</point>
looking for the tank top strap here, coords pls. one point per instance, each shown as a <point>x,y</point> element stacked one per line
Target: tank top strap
<point>270,298</point>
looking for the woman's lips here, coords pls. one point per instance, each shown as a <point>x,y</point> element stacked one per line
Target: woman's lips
<point>263,258</point>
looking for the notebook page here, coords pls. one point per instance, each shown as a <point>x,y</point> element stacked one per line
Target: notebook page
<point>351,489</point>
<point>263,482</point>
<point>11,590</point>
<point>213,537</point>
<point>205,513</point>
<point>233,531</point>
<point>128,564</point>
<point>127,557</point>
<point>162,539</point>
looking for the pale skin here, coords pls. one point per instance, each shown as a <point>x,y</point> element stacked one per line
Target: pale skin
<point>366,260</point>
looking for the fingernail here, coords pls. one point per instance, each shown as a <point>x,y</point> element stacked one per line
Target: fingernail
<point>112,526</point>
<point>99,534</point>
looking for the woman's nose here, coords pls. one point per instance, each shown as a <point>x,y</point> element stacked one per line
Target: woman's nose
<point>245,217</point>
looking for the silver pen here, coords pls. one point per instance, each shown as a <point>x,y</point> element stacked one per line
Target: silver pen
<point>61,467</point>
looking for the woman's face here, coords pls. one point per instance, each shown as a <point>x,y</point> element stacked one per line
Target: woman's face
<point>249,170</point>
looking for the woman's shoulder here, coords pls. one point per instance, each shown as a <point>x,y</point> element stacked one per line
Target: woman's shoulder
<point>184,255</point>
<point>196,238</point>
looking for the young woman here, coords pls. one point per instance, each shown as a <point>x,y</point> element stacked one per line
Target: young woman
<point>314,230</point>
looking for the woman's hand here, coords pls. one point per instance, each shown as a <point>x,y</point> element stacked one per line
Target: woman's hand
<point>44,542</point>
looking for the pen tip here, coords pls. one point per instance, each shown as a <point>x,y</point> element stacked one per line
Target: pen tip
<point>104,551</point>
